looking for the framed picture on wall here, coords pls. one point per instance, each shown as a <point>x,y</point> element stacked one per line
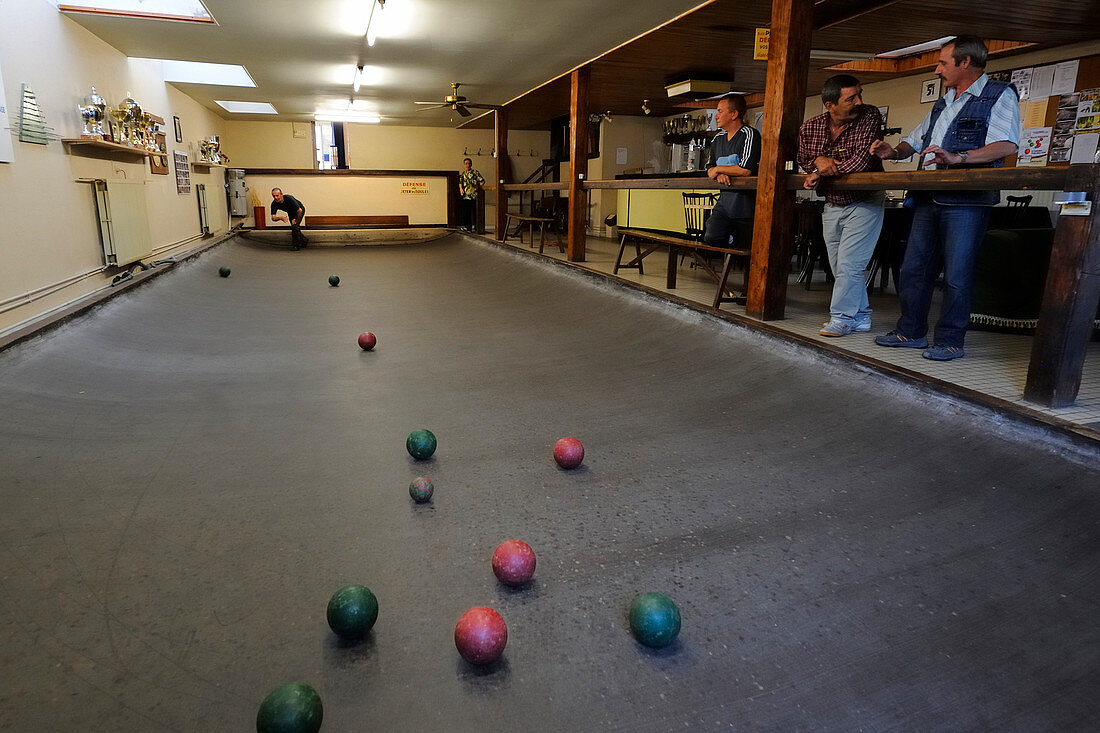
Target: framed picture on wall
<point>929,90</point>
<point>177,128</point>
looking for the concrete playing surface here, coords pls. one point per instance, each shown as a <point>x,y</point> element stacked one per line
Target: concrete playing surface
<point>190,471</point>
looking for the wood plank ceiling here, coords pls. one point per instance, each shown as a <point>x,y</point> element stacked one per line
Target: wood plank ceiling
<point>716,41</point>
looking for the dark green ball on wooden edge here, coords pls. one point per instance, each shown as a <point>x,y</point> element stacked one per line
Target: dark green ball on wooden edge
<point>420,444</point>
<point>224,271</point>
<point>333,280</point>
<point>654,619</point>
<point>290,708</point>
<point>352,611</point>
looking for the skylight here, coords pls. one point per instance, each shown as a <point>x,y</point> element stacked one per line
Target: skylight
<point>187,10</point>
<point>248,108</point>
<point>198,72</point>
<point>915,49</point>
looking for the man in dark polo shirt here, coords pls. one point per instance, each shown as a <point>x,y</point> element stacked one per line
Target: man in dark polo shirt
<point>734,152</point>
<point>295,210</point>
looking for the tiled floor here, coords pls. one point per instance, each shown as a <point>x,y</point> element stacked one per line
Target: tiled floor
<point>995,363</point>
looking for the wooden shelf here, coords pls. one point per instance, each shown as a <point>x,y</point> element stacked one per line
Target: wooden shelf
<point>75,142</point>
<point>199,164</point>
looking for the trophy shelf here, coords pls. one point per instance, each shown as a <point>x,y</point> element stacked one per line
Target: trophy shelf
<point>198,164</point>
<point>80,142</point>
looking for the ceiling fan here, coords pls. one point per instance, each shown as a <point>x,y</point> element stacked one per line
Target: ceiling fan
<point>457,102</point>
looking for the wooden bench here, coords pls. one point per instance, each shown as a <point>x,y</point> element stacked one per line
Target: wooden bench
<point>312,220</point>
<point>530,221</point>
<point>697,250</point>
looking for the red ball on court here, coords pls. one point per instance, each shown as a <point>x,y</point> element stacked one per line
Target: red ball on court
<point>480,635</point>
<point>367,341</point>
<point>514,562</point>
<point>568,452</point>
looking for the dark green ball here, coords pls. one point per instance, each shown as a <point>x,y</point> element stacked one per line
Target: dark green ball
<point>290,708</point>
<point>420,444</point>
<point>352,611</point>
<point>333,280</point>
<point>224,271</point>
<point>654,619</point>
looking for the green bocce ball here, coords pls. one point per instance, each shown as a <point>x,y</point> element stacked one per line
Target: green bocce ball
<point>224,271</point>
<point>290,708</point>
<point>352,611</point>
<point>421,444</point>
<point>333,280</point>
<point>654,619</point>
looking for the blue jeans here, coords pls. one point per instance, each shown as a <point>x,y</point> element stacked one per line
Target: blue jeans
<point>851,233</point>
<point>942,238</point>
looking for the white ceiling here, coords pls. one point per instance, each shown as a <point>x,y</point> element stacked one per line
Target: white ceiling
<point>302,53</point>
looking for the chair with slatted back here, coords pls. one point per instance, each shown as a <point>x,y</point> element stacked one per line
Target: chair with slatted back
<point>1017,205</point>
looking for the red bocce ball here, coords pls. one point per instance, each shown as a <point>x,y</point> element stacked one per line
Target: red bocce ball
<point>367,341</point>
<point>480,635</point>
<point>514,562</point>
<point>568,452</point>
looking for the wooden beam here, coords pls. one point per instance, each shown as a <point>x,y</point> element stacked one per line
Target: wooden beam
<point>1069,300</point>
<point>784,103</point>
<point>578,162</point>
<point>1037,179</point>
<point>500,147</point>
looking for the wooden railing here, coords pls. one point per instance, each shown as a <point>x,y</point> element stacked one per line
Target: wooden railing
<point>1073,276</point>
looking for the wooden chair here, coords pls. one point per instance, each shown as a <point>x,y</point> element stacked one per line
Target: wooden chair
<point>697,208</point>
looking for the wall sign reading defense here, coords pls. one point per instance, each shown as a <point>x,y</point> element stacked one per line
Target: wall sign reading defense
<point>415,188</point>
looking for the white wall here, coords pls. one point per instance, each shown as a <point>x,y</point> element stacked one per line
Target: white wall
<point>50,236</point>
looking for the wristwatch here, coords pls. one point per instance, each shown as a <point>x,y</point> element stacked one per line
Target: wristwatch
<point>964,155</point>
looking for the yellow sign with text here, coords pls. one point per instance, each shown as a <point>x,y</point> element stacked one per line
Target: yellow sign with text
<point>415,188</point>
<point>760,49</point>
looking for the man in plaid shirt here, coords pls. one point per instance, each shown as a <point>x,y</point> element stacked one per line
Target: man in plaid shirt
<point>834,143</point>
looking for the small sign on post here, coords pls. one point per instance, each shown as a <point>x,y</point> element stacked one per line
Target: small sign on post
<point>760,48</point>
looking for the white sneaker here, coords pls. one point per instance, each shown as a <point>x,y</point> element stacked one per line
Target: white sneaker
<point>836,327</point>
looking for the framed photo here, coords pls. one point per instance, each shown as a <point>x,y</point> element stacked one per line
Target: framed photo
<point>929,90</point>
<point>177,128</point>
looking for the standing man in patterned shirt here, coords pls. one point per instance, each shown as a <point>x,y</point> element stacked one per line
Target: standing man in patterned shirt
<point>835,143</point>
<point>976,124</point>
<point>469,182</point>
<point>734,152</point>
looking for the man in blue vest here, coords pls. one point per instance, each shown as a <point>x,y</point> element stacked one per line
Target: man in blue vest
<point>974,125</point>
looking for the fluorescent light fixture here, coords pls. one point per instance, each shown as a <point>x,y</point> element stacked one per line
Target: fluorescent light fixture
<point>247,108</point>
<point>358,78</point>
<point>827,55</point>
<point>187,10</point>
<point>198,72</point>
<point>368,118</point>
<point>915,49</point>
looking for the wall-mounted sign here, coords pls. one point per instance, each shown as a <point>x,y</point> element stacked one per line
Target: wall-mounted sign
<point>760,48</point>
<point>183,172</point>
<point>415,188</point>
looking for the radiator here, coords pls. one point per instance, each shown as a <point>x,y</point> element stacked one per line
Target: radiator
<point>123,221</point>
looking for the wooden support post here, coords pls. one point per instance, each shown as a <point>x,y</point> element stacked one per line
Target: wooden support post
<point>784,103</point>
<point>500,145</point>
<point>578,163</point>
<point>1069,300</point>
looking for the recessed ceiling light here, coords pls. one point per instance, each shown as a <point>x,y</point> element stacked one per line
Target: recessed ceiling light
<point>915,49</point>
<point>249,108</point>
<point>187,10</point>
<point>198,72</point>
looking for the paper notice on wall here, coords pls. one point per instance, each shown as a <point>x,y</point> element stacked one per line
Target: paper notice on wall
<point>7,150</point>
<point>1088,111</point>
<point>1084,148</point>
<point>1065,77</point>
<point>620,156</point>
<point>1034,113</point>
<point>1042,81</point>
<point>1034,146</point>
<point>1021,79</point>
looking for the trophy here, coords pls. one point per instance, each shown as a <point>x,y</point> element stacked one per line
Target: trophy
<point>131,122</point>
<point>118,126</point>
<point>210,150</point>
<point>92,112</point>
